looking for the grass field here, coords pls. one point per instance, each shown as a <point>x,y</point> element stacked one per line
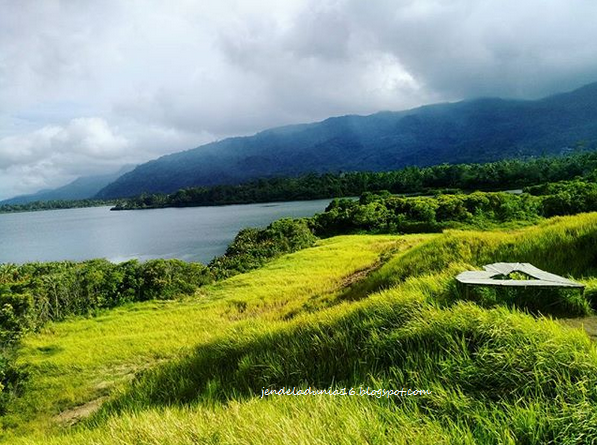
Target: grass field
<point>78,361</point>
<point>376,311</point>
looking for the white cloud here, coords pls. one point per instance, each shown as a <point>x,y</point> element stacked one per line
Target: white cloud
<point>54,155</point>
<point>88,137</point>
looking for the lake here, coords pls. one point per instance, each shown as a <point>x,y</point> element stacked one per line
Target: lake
<point>190,234</point>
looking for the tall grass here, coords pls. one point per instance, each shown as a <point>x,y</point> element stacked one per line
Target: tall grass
<point>73,362</point>
<point>563,245</point>
<point>496,374</point>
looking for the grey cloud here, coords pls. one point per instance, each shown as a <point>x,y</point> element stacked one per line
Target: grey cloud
<point>452,49</point>
<point>470,48</point>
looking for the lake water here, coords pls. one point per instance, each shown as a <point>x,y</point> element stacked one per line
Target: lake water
<point>191,234</point>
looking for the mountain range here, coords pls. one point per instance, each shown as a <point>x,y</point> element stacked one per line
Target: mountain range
<point>84,187</point>
<point>480,130</point>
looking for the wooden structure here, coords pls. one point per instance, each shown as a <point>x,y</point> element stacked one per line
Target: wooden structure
<point>499,274</point>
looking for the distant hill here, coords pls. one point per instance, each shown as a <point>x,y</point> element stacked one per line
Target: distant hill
<point>81,188</point>
<point>469,131</point>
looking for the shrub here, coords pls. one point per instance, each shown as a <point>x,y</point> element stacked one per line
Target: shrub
<point>35,293</point>
<point>251,247</point>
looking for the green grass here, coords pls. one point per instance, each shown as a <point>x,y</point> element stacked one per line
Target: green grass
<point>498,371</point>
<point>74,362</point>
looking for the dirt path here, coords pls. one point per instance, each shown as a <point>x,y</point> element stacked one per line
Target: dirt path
<point>78,413</point>
<point>589,324</point>
<point>359,275</point>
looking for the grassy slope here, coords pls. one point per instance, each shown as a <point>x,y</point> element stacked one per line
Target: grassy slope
<point>496,375</point>
<point>77,361</point>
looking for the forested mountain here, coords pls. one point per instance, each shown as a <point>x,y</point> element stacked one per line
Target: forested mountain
<point>84,187</point>
<point>478,130</point>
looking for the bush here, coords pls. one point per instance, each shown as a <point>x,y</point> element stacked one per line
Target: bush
<point>384,213</point>
<point>35,293</point>
<point>251,248</point>
<point>165,279</point>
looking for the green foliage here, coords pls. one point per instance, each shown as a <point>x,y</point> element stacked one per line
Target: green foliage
<point>165,279</point>
<point>15,314</point>
<point>391,214</point>
<point>566,197</point>
<point>384,213</point>
<point>251,248</point>
<point>490,176</point>
<point>54,205</point>
<point>35,293</point>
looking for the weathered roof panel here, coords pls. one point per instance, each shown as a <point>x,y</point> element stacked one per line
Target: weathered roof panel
<point>494,274</point>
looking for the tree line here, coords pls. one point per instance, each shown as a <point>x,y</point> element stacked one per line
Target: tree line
<point>54,205</point>
<point>501,175</point>
<point>387,213</point>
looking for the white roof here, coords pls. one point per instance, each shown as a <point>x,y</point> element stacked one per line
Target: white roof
<point>490,276</point>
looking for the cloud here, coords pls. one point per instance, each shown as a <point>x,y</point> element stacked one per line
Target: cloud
<point>91,138</point>
<point>468,48</point>
<point>47,156</point>
<point>159,77</point>
<point>54,155</point>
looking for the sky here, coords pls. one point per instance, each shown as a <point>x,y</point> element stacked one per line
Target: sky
<point>89,86</point>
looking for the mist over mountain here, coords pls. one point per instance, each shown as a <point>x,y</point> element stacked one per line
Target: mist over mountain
<point>480,130</point>
<point>83,187</point>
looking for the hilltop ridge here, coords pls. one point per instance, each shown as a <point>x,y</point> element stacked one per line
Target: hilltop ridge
<point>479,130</point>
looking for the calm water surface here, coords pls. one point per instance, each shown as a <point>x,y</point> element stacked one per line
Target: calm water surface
<point>191,234</point>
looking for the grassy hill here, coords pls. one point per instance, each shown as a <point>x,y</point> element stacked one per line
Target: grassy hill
<point>377,311</point>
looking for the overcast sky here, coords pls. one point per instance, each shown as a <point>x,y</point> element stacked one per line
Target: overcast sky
<point>87,86</point>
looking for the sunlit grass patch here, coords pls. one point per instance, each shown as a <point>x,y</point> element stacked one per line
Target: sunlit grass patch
<point>78,360</point>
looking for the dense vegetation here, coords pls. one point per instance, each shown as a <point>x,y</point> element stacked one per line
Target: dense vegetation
<point>53,205</point>
<point>385,213</point>
<point>507,174</point>
<point>252,247</point>
<point>33,294</point>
